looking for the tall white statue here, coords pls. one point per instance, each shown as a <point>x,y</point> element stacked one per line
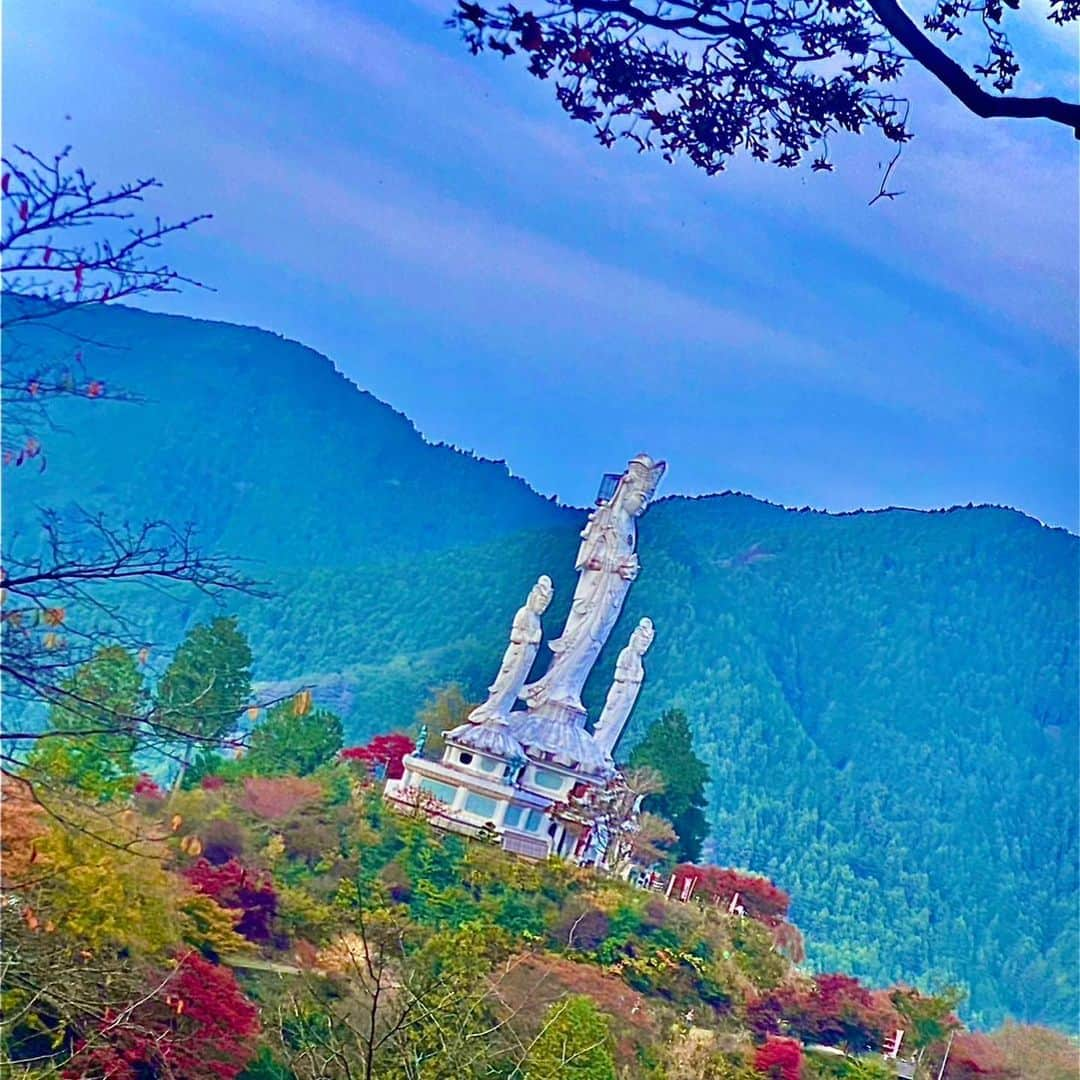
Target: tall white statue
<point>525,636</point>
<point>606,563</point>
<point>629,675</point>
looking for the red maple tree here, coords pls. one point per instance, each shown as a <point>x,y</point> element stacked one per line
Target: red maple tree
<point>779,1059</point>
<point>758,896</point>
<point>976,1056</point>
<point>236,887</point>
<point>386,750</point>
<point>834,1010</point>
<point>197,1025</point>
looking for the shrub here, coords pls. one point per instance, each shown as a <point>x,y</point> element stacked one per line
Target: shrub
<point>583,929</point>
<point>274,798</point>
<point>758,896</point>
<point>779,1059</point>
<point>234,886</point>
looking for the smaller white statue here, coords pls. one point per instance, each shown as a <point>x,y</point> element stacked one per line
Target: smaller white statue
<point>629,675</point>
<point>525,637</point>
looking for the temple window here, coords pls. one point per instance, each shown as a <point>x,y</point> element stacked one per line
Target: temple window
<point>534,821</point>
<point>480,805</point>
<point>546,779</point>
<point>513,816</point>
<point>443,792</point>
<point>488,764</point>
<point>465,757</point>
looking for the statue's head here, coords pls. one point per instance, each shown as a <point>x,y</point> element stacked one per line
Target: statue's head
<point>642,637</point>
<point>540,595</point>
<point>639,483</point>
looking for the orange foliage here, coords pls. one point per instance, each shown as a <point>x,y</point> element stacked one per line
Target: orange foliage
<point>21,823</point>
<point>976,1056</point>
<point>1038,1053</point>
<point>533,982</point>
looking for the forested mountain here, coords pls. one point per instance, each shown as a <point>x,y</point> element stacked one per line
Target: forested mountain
<point>887,701</point>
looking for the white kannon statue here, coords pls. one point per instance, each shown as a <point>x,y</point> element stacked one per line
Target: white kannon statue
<point>629,675</point>
<point>525,636</point>
<point>606,563</point>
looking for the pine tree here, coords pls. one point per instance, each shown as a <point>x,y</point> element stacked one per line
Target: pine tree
<point>208,683</point>
<point>668,748</point>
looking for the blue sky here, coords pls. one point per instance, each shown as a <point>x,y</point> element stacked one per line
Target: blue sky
<point>434,224</point>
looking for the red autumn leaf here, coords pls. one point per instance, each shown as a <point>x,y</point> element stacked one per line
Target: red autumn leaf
<point>759,897</point>
<point>24,211</point>
<point>48,255</point>
<point>95,389</point>
<point>581,56</point>
<point>5,182</point>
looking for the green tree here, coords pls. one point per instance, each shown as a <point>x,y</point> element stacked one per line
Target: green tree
<point>207,685</point>
<point>928,1018</point>
<point>668,748</point>
<point>445,709</point>
<point>298,745</point>
<point>96,757</point>
<point>574,1044</point>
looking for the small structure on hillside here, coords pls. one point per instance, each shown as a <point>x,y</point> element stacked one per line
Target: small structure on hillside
<point>535,775</point>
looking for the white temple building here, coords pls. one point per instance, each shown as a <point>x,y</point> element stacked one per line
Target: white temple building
<point>525,765</point>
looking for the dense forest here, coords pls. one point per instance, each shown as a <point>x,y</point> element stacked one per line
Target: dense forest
<point>886,702</point>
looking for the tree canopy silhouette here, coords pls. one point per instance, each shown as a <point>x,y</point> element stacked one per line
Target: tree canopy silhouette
<point>707,79</point>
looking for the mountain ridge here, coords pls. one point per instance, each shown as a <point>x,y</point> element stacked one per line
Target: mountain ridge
<point>472,455</point>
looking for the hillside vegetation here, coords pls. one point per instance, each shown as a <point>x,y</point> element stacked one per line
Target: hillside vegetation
<point>273,926</point>
<point>887,702</point>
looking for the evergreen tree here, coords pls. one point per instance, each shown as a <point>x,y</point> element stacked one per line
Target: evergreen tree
<point>208,683</point>
<point>668,748</point>
<point>287,743</point>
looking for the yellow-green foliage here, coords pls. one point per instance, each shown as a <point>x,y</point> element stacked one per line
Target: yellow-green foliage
<point>302,915</point>
<point>206,925</point>
<point>755,955</point>
<point>109,886</point>
<point>698,1053</point>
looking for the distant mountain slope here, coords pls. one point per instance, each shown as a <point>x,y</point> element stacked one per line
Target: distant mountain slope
<point>887,701</point>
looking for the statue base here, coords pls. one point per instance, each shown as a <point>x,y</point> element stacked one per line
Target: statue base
<point>555,731</point>
<point>556,712</point>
